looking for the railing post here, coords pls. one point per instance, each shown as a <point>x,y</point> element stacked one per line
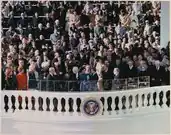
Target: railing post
<point>138,82</point>
<point>40,85</point>
<point>54,84</point>
<point>126,81</point>
<point>148,81</point>
<point>68,83</point>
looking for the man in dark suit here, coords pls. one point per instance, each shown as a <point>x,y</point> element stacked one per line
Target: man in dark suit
<point>11,21</point>
<point>40,31</point>
<point>23,21</point>
<point>84,19</point>
<point>36,20</point>
<point>3,79</point>
<point>166,76</point>
<point>131,70</point>
<point>157,74</point>
<point>47,19</point>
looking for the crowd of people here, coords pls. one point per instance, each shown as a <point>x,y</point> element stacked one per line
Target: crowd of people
<point>81,42</point>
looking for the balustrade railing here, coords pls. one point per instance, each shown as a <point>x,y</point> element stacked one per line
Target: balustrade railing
<point>111,104</point>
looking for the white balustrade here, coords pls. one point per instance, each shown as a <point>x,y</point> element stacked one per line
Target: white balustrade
<point>85,96</point>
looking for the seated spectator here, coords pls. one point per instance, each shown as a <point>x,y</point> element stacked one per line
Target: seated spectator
<point>147,28</point>
<point>29,9</point>
<point>20,30</point>
<point>156,26</point>
<point>10,33</point>
<point>48,30</point>
<point>47,19</point>
<point>29,30</point>
<point>124,19</point>
<point>88,7</point>
<point>47,8</point>
<point>74,19</point>
<point>39,31</point>
<point>35,20</point>
<point>23,21</point>
<point>98,29</point>
<point>120,30</point>
<point>54,37</point>
<point>11,21</point>
<point>99,18</point>
<point>84,19</point>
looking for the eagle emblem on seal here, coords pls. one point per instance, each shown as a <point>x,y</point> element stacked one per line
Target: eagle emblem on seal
<point>91,107</point>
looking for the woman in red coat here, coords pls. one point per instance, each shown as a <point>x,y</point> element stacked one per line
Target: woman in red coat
<point>22,83</point>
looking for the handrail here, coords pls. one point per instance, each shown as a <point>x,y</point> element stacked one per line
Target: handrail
<point>89,85</point>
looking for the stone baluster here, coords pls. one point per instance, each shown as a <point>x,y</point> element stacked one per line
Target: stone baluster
<point>120,104</point>
<point>66,105</point>
<point>109,105</point>
<point>140,101</point>
<point>127,104</point>
<point>151,102</point>
<point>78,105</point>
<point>13,103</point>
<point>51,104</point>
<point>6,103</point>
<point>55,106</point>
<point>59,105</point>
<point>20,102</point>
<point>63,105</point>
<point>133,102</point>
<point>106,113</point>
<point>164,100</point>
<point>123,101</point>
<point>16,103</point>
<point>117,104</point>
<point>48,103</point>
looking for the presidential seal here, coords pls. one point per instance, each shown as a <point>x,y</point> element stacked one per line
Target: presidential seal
<point>91,107</point>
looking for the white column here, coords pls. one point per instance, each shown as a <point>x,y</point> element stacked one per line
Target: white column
<point>165,23</point>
